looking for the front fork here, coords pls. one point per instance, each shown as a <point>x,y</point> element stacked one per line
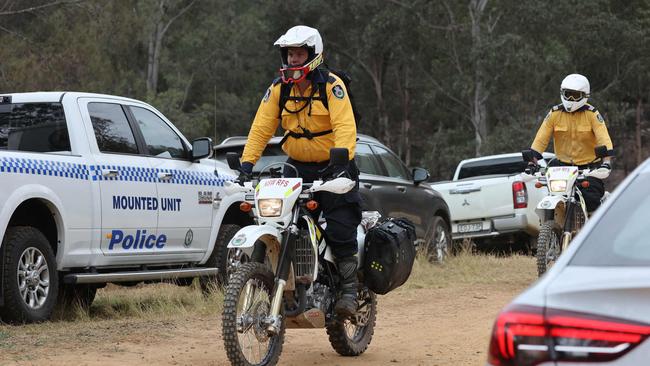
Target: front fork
<point>568,217</point>
<point>274,320</point>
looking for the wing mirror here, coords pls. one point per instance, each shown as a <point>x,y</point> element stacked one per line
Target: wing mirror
<point>339,156</point>
<point>420,175</point>
<point>201,148</point>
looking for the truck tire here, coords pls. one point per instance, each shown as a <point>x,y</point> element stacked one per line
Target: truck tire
<point>218,259</point>
<point>29,275</point>
<point>440,244</point>
<point>549,246</point>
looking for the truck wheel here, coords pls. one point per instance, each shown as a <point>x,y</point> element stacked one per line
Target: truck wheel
<point>29,276</point>
<point>218,259</point>
<point>77,295</point>
<point>440,244</point>
<point>548,246</point>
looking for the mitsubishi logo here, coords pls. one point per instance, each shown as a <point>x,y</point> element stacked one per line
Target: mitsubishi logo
<point>465,203</point>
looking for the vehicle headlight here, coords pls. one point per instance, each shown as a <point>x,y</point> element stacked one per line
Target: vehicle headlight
<point>558,185</point>
<point>270,207</point>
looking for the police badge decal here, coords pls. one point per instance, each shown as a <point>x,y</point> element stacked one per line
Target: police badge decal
<point>338,92</point>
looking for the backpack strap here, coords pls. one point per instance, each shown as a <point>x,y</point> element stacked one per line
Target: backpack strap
<point>306,134</point>
<point>285,95</point>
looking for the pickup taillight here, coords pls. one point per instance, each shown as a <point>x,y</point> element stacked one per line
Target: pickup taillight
<point>519,194</point>
<point>528,335</point>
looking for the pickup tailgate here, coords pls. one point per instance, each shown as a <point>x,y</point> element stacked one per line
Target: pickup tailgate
<point>475,199</point>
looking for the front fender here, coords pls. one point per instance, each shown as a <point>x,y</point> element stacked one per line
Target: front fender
<point>549,202</point>
<point>246,237</point>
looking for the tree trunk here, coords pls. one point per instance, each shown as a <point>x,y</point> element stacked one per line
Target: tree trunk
<point>478,100</point>
<point>159,28</point>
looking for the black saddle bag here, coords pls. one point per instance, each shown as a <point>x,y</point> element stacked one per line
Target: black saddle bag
<point>389,255</point>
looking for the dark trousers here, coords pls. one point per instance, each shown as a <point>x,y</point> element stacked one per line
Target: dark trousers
<point>596,190</point>
<point>342,212</point>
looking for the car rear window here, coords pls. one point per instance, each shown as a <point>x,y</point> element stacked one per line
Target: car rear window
<point>506,165</point>
<point>37,127</point>
<point>622,236</point>
<point>272,154</point>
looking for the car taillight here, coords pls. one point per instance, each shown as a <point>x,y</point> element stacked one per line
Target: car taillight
<point>525,335</point>
<point>519,195</point>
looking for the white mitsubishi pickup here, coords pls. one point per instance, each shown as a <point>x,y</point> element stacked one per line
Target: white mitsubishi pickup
<point>98,189</point>
<point>490,203</point>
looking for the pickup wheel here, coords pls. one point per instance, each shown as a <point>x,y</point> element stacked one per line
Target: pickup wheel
<point>218,259</point>
<point>29,275</point>
<point>440,245</point>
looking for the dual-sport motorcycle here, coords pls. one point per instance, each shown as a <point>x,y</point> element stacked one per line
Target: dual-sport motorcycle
<point>290,279</point>
<point>563,211</point>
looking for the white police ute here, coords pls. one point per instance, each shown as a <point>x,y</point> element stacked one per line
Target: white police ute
<point>100,189</point>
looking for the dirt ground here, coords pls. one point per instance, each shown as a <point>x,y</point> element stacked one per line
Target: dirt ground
<point>429,326</point>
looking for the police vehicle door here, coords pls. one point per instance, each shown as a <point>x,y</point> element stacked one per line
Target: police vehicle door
<point>129,212</point>
<point>184,188</point>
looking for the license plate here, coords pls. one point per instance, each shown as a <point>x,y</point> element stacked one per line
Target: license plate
<point>467,228</point>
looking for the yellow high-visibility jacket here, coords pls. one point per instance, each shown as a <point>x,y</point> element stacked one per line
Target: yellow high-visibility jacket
<point>575,135</point>
<point>315,118</point>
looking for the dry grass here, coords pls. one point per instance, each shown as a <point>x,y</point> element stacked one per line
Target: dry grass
<point>466,268</point>
<point>157,310</point>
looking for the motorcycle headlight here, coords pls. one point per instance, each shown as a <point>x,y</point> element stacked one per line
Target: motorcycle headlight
<point>558,185</point>
<point>270,207</point>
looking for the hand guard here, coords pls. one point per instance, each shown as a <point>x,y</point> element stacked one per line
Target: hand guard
<point>602,172</point>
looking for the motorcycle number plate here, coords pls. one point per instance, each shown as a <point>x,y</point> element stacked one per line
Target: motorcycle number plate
<point>471,227</point>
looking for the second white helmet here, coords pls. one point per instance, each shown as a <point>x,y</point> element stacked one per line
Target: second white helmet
<point>574,92</point>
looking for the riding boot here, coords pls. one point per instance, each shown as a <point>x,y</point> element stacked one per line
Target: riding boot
<point>347,303</point>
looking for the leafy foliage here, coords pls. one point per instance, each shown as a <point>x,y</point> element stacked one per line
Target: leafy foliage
<point>437,81</point>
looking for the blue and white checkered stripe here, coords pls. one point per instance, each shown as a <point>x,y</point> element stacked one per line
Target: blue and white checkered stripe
<point>94,172</point>
<point>43,167</point>
<point>125,173</point>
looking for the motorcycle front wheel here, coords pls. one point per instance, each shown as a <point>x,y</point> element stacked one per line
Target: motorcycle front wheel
<point>351,336</point>
<point>247,302</point>
<point>549,246</point>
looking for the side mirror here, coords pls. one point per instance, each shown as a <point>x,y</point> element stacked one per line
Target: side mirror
<point>601,151</point>
<point>233,161</point>
<point>339,156</point>
<point>201,148</point>
<point>420,175</point>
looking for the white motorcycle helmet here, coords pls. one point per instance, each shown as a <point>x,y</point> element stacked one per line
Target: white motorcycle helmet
<point>574,92</point>
<point>300,36</point>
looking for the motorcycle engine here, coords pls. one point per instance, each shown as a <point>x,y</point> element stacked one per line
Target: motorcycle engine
<point>319,296</point>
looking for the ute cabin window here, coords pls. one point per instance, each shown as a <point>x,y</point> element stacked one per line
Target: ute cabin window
<point>160,139</point>
<point>365,160</point>
<point>36,127</point>
<point>393,165</point>
<point>112,129</point>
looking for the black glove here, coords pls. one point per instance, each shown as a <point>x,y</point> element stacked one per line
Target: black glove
<point>335,171</point>
<point>531,168</point>
<point>245,173</point>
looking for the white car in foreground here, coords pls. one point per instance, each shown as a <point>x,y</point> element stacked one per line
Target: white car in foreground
<point>593,306</point>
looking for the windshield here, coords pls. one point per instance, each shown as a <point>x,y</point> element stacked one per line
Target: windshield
<point>272,154</point>
<point>622,236</point>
